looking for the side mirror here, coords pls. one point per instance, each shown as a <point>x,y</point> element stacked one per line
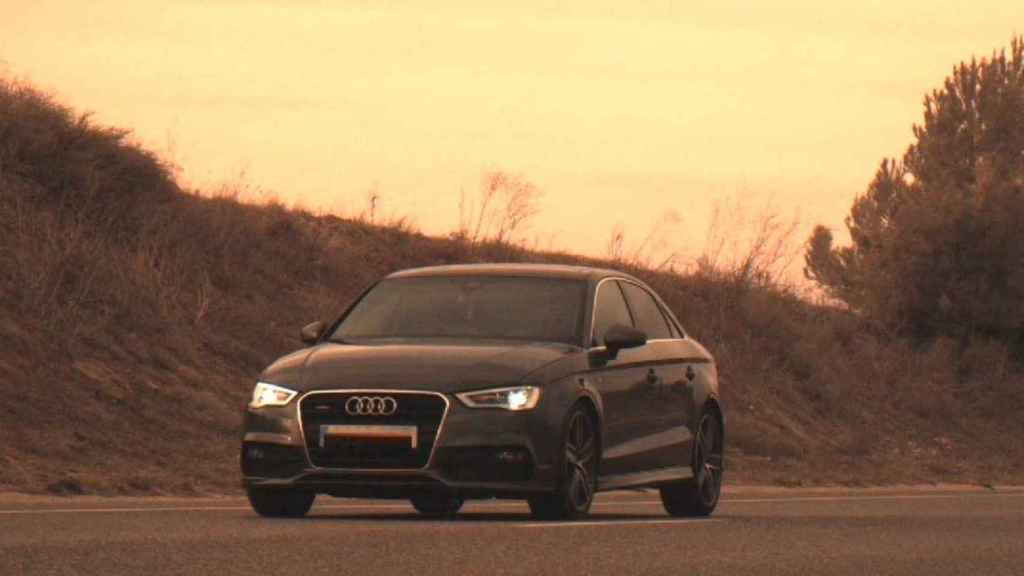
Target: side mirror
<point>619,337</point>
<point>312,332</point>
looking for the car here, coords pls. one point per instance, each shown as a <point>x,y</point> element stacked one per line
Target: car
<point>547,383</point>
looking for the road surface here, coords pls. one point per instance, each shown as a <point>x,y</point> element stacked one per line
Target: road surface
<point>793,532</point>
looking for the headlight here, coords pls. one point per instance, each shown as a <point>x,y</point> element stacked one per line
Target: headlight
<point>514,398</point>
<point>269,395</point>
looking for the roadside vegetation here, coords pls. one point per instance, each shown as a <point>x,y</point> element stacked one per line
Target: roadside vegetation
<point>135,314</point>
<point>936,245</point>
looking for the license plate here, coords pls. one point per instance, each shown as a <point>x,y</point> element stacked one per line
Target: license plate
<point>365,432</point>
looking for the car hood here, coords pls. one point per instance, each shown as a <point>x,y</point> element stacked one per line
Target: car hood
<point>441,368</point>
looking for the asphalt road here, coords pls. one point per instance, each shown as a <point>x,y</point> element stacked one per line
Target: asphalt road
<point>628,533</point>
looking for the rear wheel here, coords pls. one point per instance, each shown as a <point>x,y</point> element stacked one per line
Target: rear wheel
<point>437,505</point>
<point>280,503</point>
<point>578,481</point>
<point>699,495</point>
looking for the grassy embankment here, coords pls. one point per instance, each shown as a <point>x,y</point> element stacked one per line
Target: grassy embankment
<point>134,317</point>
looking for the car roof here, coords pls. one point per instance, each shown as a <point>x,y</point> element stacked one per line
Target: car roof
<point>590,273</point>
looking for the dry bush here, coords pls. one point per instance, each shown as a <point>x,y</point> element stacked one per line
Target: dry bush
<point>653,252</point>
<point>749,248</point>
<point>86,174</point>
<point>374,213</point>
<point>503,209</point>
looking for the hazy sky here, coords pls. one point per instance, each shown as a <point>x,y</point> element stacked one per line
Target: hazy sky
<point>619,111</point>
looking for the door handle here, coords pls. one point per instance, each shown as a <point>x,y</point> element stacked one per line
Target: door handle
<point>690,374</point>
<point>653,379</point>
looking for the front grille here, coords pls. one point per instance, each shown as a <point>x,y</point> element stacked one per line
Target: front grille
<point>423,410</point>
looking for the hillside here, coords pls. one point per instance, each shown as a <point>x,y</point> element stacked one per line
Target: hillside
<point>135,316</point>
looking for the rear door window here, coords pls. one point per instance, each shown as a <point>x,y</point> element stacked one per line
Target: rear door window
<point>609,309</point>
<point>646,312</point>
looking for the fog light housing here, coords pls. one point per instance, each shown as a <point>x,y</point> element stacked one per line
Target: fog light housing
<point>271,460</point>
<point>513,456</point>
<point>487,464</point>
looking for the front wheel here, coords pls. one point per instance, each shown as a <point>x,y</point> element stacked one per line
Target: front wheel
<point>578,482</point>
<point>280,503</point>
<point>699,495</point>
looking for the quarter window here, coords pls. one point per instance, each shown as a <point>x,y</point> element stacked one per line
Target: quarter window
<point>647,313</point>
<point>609,309</point>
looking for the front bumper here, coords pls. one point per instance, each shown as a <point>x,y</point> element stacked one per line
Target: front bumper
<point>477,453</point>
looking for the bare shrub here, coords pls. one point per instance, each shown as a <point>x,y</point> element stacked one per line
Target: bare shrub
<point>504,207</point>
<point>654,251</point>
<point>375,213</point>
<point>749,248</point>
<point>615,249</point>
<point>369,212</point>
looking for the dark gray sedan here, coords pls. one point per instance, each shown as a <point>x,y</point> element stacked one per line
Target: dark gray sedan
<point>538,382</point>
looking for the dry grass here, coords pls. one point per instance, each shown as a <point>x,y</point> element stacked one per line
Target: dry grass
<point>135,315</point>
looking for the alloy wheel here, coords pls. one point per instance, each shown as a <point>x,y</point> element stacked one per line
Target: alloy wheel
<point>575,491</point>
<point>580,459</point>
<point>698,496</point>
<point>708,461</point>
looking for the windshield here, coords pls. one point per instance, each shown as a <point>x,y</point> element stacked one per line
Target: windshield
<point>469,307</point>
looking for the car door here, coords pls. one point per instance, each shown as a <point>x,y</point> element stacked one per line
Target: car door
<point>667,410</point>
<point>628,387</point>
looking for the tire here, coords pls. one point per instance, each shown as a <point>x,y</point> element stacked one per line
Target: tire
<point>280,503</point>
<point>699,496</point>
<point>578,480</point>
<point>437,505</point>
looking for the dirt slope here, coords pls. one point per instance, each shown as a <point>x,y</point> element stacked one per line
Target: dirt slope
<point>134,317</point>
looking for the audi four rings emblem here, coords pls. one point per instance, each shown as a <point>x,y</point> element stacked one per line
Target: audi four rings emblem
<point>371,406</point>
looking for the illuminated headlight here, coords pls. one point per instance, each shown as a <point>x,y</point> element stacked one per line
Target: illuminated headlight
<point>269,395</point>
<point>515,398</point>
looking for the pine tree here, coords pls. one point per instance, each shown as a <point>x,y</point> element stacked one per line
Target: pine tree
<point>937,239</point>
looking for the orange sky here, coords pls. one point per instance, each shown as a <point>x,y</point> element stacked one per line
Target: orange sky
<point>619,111</point>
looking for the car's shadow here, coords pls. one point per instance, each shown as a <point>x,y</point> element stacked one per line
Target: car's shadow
<point>481,517</point>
